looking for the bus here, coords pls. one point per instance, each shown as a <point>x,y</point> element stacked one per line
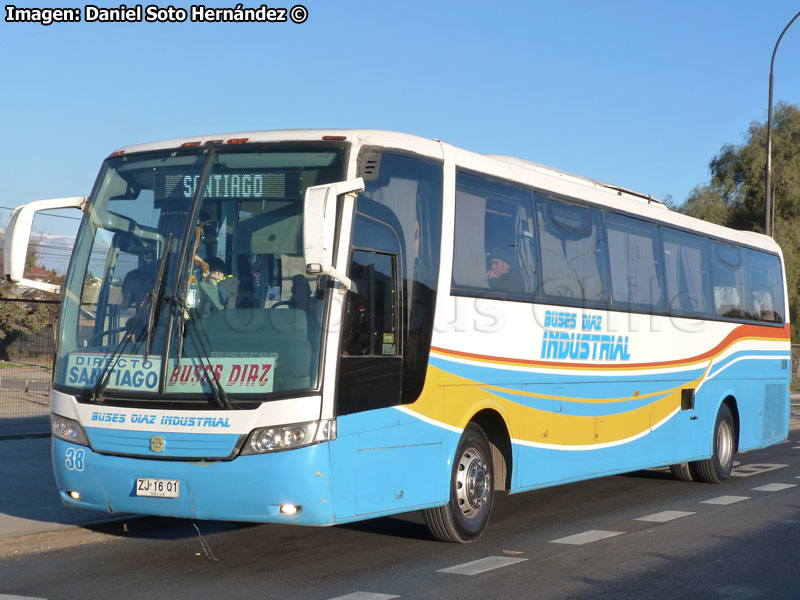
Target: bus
<point>317,327</point>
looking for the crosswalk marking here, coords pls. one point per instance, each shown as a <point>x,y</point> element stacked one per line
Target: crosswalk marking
<point>755,469</point>
<point>664,516</point>
<point>362,596</point>
<point>724,500</point>
<point>482,565</point>
<point>593,535</point>
<point>774,487</point>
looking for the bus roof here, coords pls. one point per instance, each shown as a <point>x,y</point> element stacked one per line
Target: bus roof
<point>498,165</point>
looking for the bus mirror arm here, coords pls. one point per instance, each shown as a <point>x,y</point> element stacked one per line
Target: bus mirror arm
<point>319,226</point>
<point>18,235</point>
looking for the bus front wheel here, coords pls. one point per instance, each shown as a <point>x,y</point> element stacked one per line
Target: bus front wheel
<point>718,468</point>
<point>466,515</point>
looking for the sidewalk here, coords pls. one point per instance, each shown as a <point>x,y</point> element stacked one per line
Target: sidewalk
<point>30,504</point>
<point>29,500</point>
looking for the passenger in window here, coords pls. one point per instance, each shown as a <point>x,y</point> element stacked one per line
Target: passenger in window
<point>301,293</point>
<point>134,289</point>
<point>218,287</point>
<point>501,276</point>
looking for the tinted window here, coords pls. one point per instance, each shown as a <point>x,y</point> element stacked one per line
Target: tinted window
<point>369,324</point>
<point>635,269</point>
<point>573,250</point>
<point>686,268</point>
<point>495,248</point>
<point>728,279</point>
<point>766,286</point>
<point>400,212</point>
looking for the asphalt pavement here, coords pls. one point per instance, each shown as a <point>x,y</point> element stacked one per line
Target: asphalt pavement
<point>30,505</point>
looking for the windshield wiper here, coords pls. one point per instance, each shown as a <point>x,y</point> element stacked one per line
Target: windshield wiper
<point>153,299</point>
<point>199,339</point>
<point>105,374</point>
<point>158,297</point>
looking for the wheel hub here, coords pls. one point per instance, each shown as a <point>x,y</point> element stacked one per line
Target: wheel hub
<point>472,483</point>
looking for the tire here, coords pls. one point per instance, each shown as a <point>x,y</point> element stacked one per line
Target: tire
<point>466,515</point>
<point>681,472</point>
<point>718,468</point>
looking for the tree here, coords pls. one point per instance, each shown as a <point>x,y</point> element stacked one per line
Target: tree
<point>735,196</point>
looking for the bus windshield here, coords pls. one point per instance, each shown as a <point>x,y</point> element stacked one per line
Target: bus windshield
<point>187,279</point>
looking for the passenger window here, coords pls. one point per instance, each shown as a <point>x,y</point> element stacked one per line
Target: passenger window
<point>635,269</point>
<point>574,253</point>
<point>686,270</point>
<point>728,281</point>
<point>766,277</point>
<point>495,245</point>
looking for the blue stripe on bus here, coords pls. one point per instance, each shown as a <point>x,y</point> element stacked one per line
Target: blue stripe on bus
<point>749,354</point>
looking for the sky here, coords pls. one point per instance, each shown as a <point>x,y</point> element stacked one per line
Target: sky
<point>641,94</point>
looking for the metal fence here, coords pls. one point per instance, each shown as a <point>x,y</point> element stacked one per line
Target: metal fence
<point>27,345</point>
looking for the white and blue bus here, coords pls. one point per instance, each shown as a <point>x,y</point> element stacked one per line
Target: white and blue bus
<point>318,327</point>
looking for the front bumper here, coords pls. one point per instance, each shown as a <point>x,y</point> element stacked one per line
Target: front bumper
<point>248,488</point>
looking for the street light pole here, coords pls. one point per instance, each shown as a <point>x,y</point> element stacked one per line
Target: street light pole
<point>769,217</point>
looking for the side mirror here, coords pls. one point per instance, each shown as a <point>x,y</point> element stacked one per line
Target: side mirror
<point>319,225</point>
<point>18,235</point>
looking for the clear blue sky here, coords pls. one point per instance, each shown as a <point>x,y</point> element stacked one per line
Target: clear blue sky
<point>640,94</point>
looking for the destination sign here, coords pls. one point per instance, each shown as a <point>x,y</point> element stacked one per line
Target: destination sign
<point>133,373</point>
<point>237,184</point>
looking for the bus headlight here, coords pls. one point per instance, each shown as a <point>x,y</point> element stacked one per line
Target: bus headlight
<point>284,437</point>
<point>68,430</point>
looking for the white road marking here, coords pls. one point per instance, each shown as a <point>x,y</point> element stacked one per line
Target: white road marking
<point>663,517</point>
<point>7,597</point>
<point>755,469</point>
<point>774,487</point>
<point>724,500</point>
<point>593,535</point>
<point>482,565</point>
<point>795,447</point>
<point>362,596</point>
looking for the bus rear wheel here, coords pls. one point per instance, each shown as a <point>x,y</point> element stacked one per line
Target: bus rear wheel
<point>718,468</point>
<point>466,515</point>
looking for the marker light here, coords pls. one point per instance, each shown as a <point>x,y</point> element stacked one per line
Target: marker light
<point>284,437</point>
<point>189,144</point>
<point>116,154</point>
<point>334,138</point>
<point>74,495</point>
<point>68,430</point>
<point>238,140</point>
<point>290,509</point>
<point>213,142</point>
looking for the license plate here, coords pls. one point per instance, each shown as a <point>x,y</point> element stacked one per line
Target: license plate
<point>157,488</point>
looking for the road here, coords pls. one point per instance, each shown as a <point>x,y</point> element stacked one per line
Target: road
<point>734,541</point>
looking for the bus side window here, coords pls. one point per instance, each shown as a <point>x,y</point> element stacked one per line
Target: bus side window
<point>728,279</point>
<point>495,243</point>
<point>685,266</point>
<point>574,250</point>
<point>765,286</point>
<point>635,270</point>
